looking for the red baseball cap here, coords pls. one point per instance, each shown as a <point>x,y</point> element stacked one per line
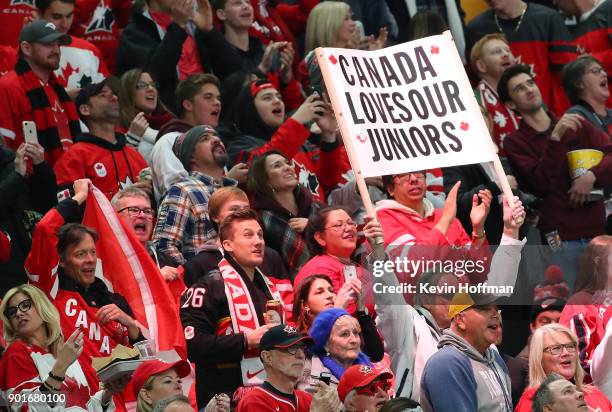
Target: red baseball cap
<point>153,367</point>
<point>358,376</point>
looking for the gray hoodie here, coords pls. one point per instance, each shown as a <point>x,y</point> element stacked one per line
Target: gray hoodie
<point>458,378</point>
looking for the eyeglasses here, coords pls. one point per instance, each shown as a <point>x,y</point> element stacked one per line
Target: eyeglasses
<point>23,307</point>
<point>596,70</point>
<point>557,349</point>
<point>292,350</point>
<point>373,388</point>
<point>420,175</point>
<point>134,211</point>
<point>340,226</point>
<point>143,85</point>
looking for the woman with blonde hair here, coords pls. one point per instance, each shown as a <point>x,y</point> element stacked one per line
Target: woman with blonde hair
<point>39,364</point>
<point>553,349</point>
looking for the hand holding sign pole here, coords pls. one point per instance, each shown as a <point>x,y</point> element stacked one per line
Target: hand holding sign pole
<point>406,108</point>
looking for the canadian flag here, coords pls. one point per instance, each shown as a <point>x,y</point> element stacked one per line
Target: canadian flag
<point>130,271</point>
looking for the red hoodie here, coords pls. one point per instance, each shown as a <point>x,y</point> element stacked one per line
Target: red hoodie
<point>404,229</point>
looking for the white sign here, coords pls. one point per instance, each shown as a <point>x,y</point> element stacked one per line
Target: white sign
<point>406,108</point>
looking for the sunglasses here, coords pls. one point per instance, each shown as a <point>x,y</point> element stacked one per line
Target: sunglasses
<point>373,388</point>
<point>23,306</point>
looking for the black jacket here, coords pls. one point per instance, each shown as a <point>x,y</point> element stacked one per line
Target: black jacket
<point>18,196</point>
<point>208,259</point>
<point>224,57</point>
<point>217,357</point>
<point>141,46</point>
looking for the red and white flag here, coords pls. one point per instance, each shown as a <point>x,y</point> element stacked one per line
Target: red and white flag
<point>129,270</point>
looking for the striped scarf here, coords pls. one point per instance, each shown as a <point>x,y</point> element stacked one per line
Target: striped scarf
<point>48,134</point>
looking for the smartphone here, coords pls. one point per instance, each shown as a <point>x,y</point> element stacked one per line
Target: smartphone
<point>325,377</point>
<point>29,131</point>
<point>349,272</point>
<point>276,62</point>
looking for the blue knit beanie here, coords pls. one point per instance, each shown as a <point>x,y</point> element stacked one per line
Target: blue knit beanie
<point>322,326</point>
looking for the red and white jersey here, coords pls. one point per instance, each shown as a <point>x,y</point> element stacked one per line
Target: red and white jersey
<point>23,369</point>
<point>584,315</point>
<point>263,399</point>
<point>81,63</point>
<point>42,269</point>
<point>12,15</point>
<point>99,22</point>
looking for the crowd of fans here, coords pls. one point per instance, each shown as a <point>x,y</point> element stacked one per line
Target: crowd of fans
<point>207,126</point>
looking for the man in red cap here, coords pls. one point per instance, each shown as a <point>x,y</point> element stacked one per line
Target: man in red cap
<point>283,354</point>
<point>363,388</point>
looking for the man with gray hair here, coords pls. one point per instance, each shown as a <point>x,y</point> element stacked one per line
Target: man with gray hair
<point>176,403</point>
<point>557,394</point>
<point>133,206</point>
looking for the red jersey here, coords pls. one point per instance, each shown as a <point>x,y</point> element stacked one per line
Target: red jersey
<point>23,369</point>
<point>42,268</point>
<point>81,64</point>
<point>111,167</point>
<point>505,121</point>
<point>266,398</point>
<point>593,35</point>
<point>99,22</point>
<point>538,39</point>
<point>12,15</point>
<point>584,314</point>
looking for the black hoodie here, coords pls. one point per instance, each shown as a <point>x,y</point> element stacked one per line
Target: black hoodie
<point>19,197</point>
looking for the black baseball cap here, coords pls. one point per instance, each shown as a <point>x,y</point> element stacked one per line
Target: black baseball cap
<point>93,89</point>
<point>283,336</point>
<point>43,31</point>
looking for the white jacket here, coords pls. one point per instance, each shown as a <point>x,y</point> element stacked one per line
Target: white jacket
<point>411,334</point>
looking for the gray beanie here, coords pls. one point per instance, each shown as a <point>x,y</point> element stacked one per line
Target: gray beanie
<point>185,144</point>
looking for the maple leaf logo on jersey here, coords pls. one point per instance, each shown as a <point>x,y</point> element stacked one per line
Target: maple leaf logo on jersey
<point>127,183</point>
<point>23,3</point>
<point>500,119</point>
<point>102,20</point>
<point>308,179</point>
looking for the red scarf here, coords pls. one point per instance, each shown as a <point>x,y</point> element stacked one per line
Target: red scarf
<point>244,318</point>
<point>42,114</point>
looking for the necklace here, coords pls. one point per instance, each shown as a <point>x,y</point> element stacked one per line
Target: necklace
<point>518,25</point>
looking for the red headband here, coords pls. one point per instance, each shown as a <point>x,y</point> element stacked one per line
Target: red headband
<point>256,88</point>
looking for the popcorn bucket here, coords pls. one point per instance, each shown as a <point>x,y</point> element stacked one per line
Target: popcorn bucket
<point>582,160</point>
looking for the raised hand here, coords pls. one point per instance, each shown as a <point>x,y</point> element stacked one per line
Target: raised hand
<point>479,212</point>
<point>139,125</point>
<point>203,18</point>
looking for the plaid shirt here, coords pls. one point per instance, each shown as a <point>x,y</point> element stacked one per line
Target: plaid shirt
<point>435,6</point>
<point>183,225</point>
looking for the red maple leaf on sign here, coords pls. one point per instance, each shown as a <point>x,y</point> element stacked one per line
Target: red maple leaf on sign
<point>361,138</point>
<point>435,49</point>
<point>464,126</point>
<point>333,59</point>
